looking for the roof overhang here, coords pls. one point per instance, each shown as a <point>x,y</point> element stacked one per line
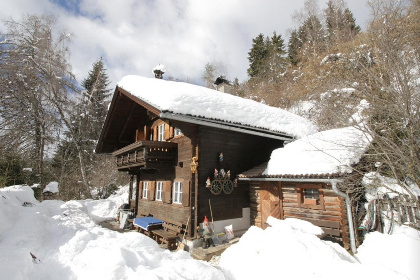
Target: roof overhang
<point>227,126</point>
<point>296,179</point>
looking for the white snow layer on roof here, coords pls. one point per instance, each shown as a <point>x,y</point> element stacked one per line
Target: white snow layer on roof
<point>188,99</point>
<point>327,152</point>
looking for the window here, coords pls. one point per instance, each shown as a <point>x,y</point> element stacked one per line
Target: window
<point>159,189</point>
<point>177,193</point>
<point>145,189</point>
<point>310,196</point>
<point>161,132</point>
<point>177,132</point>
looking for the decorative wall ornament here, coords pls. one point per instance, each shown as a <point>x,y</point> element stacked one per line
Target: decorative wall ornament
<point>221,182</point>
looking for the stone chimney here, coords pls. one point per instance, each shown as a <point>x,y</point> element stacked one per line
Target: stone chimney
<point>159,70</point>
<point>222,84</point>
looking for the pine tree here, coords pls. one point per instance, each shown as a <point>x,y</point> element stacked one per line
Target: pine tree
<point>256,56</point>
<point>236,88</point>
<point>97,91</point>
<point>294,46</point>
<point>267,57</point>
<point>340,23</point>
<point>351,28</point>
<point>276,58</point>
<point>74,159</point>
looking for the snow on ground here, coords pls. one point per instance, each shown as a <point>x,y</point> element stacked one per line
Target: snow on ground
<point>398,252</point>
<point>289,249</point>
<point>70,245</point>
<point>188,99</point>
<point>67,240</point>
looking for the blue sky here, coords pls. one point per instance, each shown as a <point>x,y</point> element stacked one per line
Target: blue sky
<point>133,36</point>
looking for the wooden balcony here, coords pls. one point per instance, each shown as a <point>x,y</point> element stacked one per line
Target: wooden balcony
<point>146,155</point>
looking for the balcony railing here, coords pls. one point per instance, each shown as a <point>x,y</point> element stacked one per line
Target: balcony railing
<point>146,155</point>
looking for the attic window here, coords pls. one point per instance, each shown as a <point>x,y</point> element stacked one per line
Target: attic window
<point>177,132</point>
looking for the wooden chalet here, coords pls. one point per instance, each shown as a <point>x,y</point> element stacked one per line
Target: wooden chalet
<point>183,146</point>
<point>302,181</point>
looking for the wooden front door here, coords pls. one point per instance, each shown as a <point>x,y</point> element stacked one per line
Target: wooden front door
<point>271,203</point>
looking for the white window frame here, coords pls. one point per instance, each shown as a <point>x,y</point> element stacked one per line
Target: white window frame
<point>159,190</point>
<point>177,132</point>
<point>145,189</point>
<point>177,192</point>
<point>161,132</point>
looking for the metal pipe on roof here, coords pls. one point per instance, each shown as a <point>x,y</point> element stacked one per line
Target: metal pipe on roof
<point>333,183</point>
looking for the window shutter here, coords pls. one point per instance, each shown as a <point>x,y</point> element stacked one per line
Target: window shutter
<point>167,133</point>
<point>139,135</point>
<point>146,132</point>
<point>171,132</point>
<point>167,192</point>
<point>155,133</point>
<point>151,194</point>
<point>140,190</point>
<point>186,193</point>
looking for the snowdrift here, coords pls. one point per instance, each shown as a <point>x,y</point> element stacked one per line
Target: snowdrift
<point>69,244</point>
<point>289,249</point>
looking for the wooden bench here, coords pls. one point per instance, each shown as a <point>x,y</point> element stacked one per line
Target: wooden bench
<point>168,234</point>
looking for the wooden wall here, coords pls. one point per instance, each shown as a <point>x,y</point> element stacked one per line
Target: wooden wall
<point>332,218</point>
<point>241,152</point>
<point>168,211</point>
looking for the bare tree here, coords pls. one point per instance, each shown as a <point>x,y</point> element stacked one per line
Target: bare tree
<point>34,75</point>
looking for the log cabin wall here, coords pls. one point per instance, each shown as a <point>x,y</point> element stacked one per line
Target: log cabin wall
<point>166,210</point>
<point>240,153</point>
<point>331,216</point>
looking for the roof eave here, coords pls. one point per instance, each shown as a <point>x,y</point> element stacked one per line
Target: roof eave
<point>227,126</point>
<point>293,177</point>
<point>118,91</point>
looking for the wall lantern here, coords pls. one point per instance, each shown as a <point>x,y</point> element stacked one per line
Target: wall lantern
<point>194,164</point>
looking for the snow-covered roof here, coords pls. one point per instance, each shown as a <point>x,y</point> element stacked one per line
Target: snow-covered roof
<point>51,187</point>
<point>195,101</point>
<point>328,152</point>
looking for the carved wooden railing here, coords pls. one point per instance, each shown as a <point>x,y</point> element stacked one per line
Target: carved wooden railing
<point>146,154</point>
